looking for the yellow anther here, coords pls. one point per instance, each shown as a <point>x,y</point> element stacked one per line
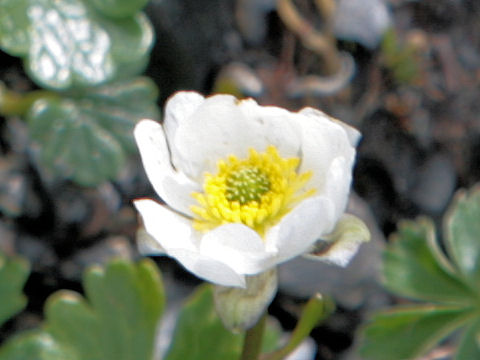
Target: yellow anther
<point>256,191</point>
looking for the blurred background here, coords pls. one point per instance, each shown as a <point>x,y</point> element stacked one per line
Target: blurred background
<point>406,73</point>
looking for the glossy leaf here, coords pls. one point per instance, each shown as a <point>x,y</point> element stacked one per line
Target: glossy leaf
<point>118,8</point>
<point>405,333</point>
<point>13,275</point>
<point>14,27</point>
<point>68,44</point>
<point>131,39</point>
<point>462,228</point>
<point>86,137</point>
<point>414,267</point>
<point>199,326</point>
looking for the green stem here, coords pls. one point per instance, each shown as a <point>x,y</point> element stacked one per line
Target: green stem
<point>15,103</point>
<point>252,344</point>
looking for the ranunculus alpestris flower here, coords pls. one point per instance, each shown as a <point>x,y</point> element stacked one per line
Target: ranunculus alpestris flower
<point>245,186</point>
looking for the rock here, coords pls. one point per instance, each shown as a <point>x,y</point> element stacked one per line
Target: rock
<point>435,184</point>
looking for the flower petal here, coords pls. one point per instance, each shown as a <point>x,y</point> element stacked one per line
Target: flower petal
<point>172,186</point>
<point>352,133</point>
<point>168,228</point>
<point>327,151</point>
<point>342,244</point>
<point>176,237</point>
<point>239,246</point>
<point>299,229</point>
<point>223,125</point>
<point>179,108</point>
<point>207,268</point>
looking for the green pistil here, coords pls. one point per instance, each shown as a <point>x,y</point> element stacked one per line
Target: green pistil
<point>247,184</point>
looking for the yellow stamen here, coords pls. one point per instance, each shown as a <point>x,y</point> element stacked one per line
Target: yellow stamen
<point>256,191</point>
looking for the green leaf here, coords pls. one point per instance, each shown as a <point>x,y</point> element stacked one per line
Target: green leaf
<point>118,8</point>
<point>131,40</point>
<point>86,137</point>
<point>68,44</point>
<point>414,267</point>
<point>469,347</point>
<point>13,275</point>
<point>117,320</point>
<point>462,228</point>
<point>405,333</point>
<point>14,27</point>
<point>34,345</point>
<point>120,317</point>
<point>199,326</point>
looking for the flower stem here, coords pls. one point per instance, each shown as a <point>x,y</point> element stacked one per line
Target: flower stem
<point>252,344</point>
<point>15,103</point>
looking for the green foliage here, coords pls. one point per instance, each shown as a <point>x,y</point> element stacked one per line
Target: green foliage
<point>87,53</point>
<point>118,8</point>
<point>68,43</point>
<point>116,321</point>
<point>86,137</point>
<point>199,326</point>
<point>416,267</point>
<point>400,59</point>
<point>13,274</point>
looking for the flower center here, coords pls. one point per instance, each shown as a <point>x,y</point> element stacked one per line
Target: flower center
<point>256,191</point>
<point>246,184</point>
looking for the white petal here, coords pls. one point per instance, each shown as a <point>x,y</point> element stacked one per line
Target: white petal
<point>168,228</point>
<point>327,152</point>
<point>223,125</point>
<point>172,186</point>
<point>352,133</point>
<point>176,237</point>
<point>179,108</point>
<point>337,184</point>
<point>207,268</point>
<point>238,246</point>
<point>301,227</point>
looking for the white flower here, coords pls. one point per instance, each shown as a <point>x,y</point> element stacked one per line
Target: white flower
<point>245,186</point>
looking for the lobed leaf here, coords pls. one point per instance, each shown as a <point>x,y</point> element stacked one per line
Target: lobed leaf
<point>87,137</point>
<point>69,44</point>
<point>405,333</point>
<point>462,229</point>
<point>117,321</point>
<point>414,267</point>
<point>13,275</point>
